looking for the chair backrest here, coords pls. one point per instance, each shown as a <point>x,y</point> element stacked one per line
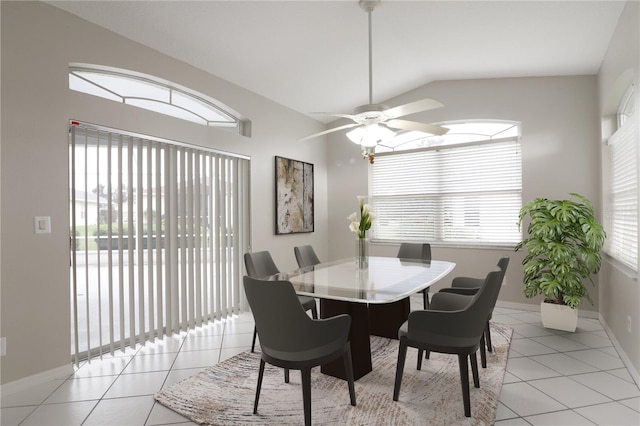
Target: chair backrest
<point>281,322</point>
<point>468,322</point>
<point>485,299</point>
<point>305,256</point>
<point>260,264</point>
<point>503,263</point>
<point>418,251</point>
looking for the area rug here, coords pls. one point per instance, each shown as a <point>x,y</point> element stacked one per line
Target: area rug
<point>224,393</point>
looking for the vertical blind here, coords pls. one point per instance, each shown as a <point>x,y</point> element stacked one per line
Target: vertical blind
<point>157,231</point>
<point>464,194</point>
<point>621,217</point>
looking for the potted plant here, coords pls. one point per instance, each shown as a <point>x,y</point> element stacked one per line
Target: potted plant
<point>563,246</point>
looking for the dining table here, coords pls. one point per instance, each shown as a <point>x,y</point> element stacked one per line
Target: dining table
<point>376,297</point>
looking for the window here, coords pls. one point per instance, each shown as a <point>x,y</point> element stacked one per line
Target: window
<point>463,188</point>
<point>151,93</point>
<point>621,218</point>
<point>625,109</point>
<point>158,230</point>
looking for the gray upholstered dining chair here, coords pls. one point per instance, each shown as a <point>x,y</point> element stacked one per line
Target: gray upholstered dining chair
<point>468,286</point>
<point>291,340</point>
<point>259,265</point>
<point>305,256</point>
<point>417,251</point>
<point>451,332</point>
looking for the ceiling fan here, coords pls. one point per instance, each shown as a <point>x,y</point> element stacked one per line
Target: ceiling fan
<point>372,123</point>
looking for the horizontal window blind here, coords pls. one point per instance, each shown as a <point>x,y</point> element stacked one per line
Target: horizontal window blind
<point>621,217</point>
<point>157,230</point>
<point>457,194</point>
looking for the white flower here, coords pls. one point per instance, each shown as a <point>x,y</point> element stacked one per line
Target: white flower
<point>363,224</point>
<point>354,226</point>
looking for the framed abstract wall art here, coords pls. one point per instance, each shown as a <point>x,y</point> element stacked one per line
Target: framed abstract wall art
<point>294,196</point>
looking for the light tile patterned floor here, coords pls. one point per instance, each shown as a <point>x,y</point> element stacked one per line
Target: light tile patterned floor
<point>552,378</point>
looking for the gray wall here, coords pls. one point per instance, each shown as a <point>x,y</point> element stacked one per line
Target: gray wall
<point>38,44</point>
<point>619,291</point>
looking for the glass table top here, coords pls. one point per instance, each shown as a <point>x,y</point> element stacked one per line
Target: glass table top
<point>386,280</point>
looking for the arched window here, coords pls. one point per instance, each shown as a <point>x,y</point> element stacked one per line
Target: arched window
<point>463,188</point>
<point>152,93</point>
<point>459,132</point>
<point>625,108</point>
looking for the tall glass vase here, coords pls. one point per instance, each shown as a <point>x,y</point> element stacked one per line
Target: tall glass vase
<point>362,253</point>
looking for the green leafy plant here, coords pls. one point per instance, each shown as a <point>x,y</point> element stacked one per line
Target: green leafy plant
<point>563,249</point>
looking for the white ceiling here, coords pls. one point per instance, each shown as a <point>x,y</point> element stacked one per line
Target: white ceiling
<point>313,55</point>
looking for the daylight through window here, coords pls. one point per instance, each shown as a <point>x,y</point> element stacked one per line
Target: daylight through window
<point>151,93</point>
<point>158,228</point>
<point>621,218</point>
<point>464,188</point>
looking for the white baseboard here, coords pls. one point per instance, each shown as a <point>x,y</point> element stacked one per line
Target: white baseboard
<point>623,356</point>
<point>536,308</point>
<point>36,380</point>
<point>520,306</point>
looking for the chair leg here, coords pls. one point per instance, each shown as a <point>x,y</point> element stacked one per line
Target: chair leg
<point>483,353</point>
<point>253,342</point>
<point>314,312</point>
<point>427,354</point>
<point>464,381</point>
<point>306,395</point>
<point>402,355</point>
<point>286,375</point>
<point>425,298</point>
<point>474,370</point>
<point>260,374</point>
<point>348,368</point>
<point>487,335</point>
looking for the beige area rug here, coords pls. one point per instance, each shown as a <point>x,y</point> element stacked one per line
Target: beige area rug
<point>223,393</point>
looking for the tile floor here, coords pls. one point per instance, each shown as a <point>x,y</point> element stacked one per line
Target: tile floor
<point>552,378</point>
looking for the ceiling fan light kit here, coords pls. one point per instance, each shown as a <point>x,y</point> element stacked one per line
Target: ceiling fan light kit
<point>369,135</point>
<point>373,122</point>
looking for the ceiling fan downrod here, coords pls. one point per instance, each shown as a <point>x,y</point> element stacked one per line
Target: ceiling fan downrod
<point>369,6</point>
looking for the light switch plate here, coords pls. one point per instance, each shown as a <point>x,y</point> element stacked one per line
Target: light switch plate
<point>42,224</point>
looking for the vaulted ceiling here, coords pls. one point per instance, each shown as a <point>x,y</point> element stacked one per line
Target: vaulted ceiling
<point>313,55</point>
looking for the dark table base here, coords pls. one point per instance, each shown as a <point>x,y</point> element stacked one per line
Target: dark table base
<point>374,319</point>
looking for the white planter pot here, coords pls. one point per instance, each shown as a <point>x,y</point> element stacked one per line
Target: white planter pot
<point>559,317</point>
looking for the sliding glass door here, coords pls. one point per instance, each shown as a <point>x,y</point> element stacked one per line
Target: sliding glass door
<point>158,229</point>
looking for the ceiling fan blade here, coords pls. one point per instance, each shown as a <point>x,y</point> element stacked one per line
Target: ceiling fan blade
<point>418,127</point>
<point>335,129</point>
<point>412,107</point>
<point>335,114</point>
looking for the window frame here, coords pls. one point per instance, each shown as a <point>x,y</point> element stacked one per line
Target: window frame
<point>622,229</point>
<point>172,93</point>
<point>438,228</point>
